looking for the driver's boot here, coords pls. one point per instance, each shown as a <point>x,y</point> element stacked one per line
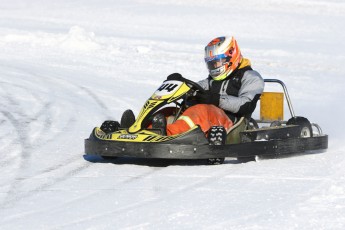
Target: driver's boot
<point>159,122</point>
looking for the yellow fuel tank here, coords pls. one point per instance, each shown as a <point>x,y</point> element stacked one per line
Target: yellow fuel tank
<point>272,106</point>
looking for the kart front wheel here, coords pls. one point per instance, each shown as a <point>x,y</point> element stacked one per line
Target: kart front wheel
<point>110,126</point>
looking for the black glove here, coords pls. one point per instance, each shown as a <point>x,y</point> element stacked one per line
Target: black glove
<point>207,97</point>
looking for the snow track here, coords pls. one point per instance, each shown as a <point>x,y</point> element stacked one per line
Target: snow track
<point>65,67</point>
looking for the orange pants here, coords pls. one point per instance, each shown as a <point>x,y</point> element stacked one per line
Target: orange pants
<point>203,115</point>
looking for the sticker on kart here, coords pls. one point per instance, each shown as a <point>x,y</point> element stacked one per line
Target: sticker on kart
<point>167,88</point>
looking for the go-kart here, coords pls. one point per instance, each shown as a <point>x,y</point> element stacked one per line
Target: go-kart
<point>246,140</point>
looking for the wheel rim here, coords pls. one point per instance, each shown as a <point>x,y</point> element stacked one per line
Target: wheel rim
<point>305,132</point>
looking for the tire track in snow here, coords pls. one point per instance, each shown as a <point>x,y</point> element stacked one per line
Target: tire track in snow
<point>5,158</point>
<point>12,197</point>
<point>46,186</point>
<point>14,113</point>
<point>147,202</point>
<point>18,196</point>
<point>94,97</point>
<point>24,152</point>
<point>68,175</point>
<point>58,83</point>
<point>224,173</point>
<point>21,122</point>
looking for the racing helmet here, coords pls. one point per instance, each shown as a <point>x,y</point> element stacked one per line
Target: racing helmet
<point>222,57</point>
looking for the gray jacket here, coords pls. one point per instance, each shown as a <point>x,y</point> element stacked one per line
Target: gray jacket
<point>247,87</point>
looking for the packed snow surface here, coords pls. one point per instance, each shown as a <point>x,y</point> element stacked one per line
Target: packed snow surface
<point>66,66</point>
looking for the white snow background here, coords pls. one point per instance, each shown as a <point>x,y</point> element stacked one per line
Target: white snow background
<point>66,66</point>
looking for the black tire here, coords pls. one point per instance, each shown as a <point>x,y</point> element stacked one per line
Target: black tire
<point>216,136</point>
<point>110,126</point>
<point>127,119</point>
<point>215,161</point>
<point>305,126</point>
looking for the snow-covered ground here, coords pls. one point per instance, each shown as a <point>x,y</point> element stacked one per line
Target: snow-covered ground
<point>65,66</point>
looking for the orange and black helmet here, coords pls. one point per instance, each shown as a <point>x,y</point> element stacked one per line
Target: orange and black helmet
<point>222,57</point>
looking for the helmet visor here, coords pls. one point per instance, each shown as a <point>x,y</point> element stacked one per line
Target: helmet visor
<point>217,61</point>
<point>216,64</point>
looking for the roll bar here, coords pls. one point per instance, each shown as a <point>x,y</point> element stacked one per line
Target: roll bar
<point>285,93</point>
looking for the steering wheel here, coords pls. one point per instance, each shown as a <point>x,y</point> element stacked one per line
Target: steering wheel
<point>193,85</point>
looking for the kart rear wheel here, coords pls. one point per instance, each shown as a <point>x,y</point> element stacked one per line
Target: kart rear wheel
<point>304,124</point>
<point>216,136</point>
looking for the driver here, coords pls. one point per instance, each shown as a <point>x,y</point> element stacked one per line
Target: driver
<point>232,90</point>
